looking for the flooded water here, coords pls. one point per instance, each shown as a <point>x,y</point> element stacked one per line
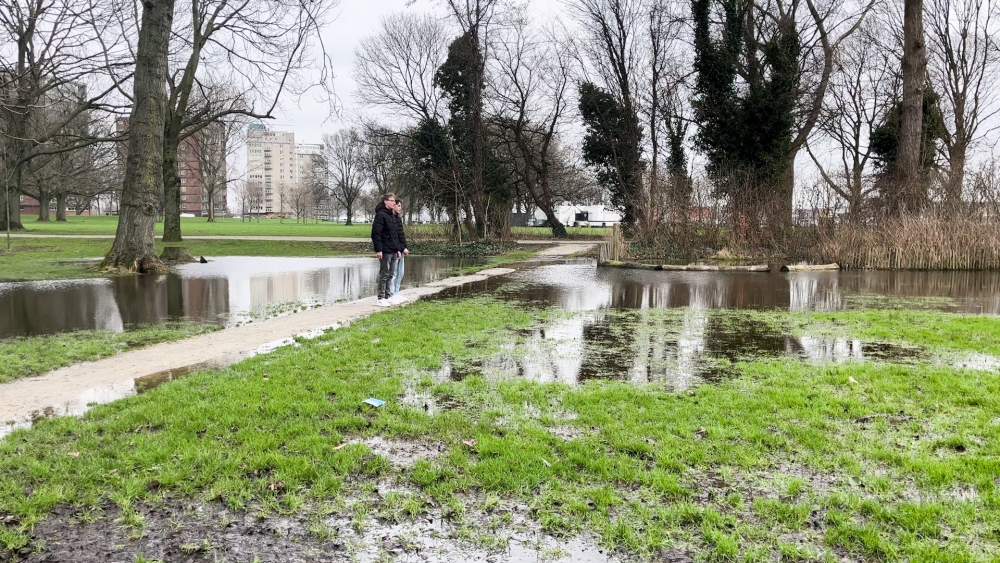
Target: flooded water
<point>229,290</point>
<point>581,286</point>
<point>679,329</point>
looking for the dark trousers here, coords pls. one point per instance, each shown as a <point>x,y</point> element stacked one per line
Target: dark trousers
<point>386,270</point>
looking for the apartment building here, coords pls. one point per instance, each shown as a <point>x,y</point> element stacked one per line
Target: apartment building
<point>272,169</point>
<point>201,158</point>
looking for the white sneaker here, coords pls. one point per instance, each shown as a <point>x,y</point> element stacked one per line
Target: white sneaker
<point>397,299</point>
<point>383,303</point>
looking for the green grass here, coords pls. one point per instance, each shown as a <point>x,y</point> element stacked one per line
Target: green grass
<point>868,461</point>
<point>194,226</point>
<point>32,355</point>
<point>41,259</point>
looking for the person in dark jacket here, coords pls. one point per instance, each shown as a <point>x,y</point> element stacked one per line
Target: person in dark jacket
<point>397,278</point>
<point>385,238</point>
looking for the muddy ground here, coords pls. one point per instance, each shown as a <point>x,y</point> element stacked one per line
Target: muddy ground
<point>192,532</point>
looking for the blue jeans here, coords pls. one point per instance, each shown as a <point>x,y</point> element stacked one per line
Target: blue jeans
<point>398,278</point>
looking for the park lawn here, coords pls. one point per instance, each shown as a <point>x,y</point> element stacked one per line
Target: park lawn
<point>198,226</point>
<point>25,356</point>
<point>194,226</point>
<point>47,258</point>
<point>789,460</point>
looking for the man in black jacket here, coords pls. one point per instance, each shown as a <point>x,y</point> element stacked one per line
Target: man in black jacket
<point>385,238</point>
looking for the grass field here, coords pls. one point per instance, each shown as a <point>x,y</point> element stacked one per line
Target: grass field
<point>106,225</point>
<point>787,461</point>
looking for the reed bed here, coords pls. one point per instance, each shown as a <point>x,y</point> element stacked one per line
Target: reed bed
<point>928,242</point>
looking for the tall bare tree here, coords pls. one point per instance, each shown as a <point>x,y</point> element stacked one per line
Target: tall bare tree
<point>134,248</point>
<point>346,172</point>
<point>237,57</point>
<point>533,78</point>
<point>862,91</point>
<point>212,148</point>
<point>964,70</point>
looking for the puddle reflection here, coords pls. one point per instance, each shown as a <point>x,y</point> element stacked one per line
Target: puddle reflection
<point>229,290</point>
<point>678,329</point>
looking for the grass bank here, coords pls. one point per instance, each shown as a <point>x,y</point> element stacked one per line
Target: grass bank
<point>195,226</point>
<point>42,258</point>
<point>789,461</point>
<point>33,355</point>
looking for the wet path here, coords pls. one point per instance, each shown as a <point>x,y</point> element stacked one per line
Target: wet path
<point>69,390</point>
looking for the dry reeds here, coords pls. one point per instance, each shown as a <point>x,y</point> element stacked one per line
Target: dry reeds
<point>615,247</point>
<point>926,242</point>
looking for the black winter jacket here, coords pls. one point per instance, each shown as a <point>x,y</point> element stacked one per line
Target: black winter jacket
<point>385,232</point>
<point>400,233</point>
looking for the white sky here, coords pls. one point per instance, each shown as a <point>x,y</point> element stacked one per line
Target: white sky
<point>357,19</point>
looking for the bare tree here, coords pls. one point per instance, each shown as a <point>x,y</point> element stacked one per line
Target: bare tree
<point>254,52</point>
<point>212,148</point>
<point>395,67</point>
<point>346,173</point>
<point>60,61</point>
<point>531,91</point>
<point>241,197</point>
<point>964,70</point>
<point>254,194</point>
<point>861,93</point>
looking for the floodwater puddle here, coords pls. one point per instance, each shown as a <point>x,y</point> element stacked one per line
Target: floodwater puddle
<point>679,329</point>
<point>229,291</point>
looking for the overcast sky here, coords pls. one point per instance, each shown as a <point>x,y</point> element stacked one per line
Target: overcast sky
<point>357,19</point>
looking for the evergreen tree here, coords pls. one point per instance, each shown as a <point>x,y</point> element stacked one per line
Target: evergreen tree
<point>885,148</point>
<point>746,90</point>
<point>612,146</point>
<point>459,77</point>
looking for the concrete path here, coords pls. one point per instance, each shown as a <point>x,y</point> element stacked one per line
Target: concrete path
<point>279,237</point>
<point>70,390</point>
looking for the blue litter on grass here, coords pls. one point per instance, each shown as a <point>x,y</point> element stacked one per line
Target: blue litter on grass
<point>374,402</point>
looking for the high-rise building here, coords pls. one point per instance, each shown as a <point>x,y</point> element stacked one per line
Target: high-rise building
<point>271,169</point>
<point>199,159</point>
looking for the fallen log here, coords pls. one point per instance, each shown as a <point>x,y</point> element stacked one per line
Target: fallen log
<point>686,267</point>
<point>629,265</point>
<point>809,267</point>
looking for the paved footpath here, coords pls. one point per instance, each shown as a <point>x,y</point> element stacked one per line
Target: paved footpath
<point>69,390</point>
<point>283,237</point>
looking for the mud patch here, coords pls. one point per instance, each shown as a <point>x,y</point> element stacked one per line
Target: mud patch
<point>401,453</point>
<point>209,532</point>
<point>567,433</point>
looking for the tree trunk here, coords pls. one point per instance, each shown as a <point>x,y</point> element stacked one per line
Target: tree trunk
<point>43,206</point>
<point>171,188</point>
<point>956,176</point>
<point>13,209</point>
<point>558,229</point>
<point>211,208</point>
<point>61,207</point>
<point>909,181</point>
<point>134,249</point>
<point>350,215</point>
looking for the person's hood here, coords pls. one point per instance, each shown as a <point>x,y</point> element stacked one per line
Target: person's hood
<point>381,207</point>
